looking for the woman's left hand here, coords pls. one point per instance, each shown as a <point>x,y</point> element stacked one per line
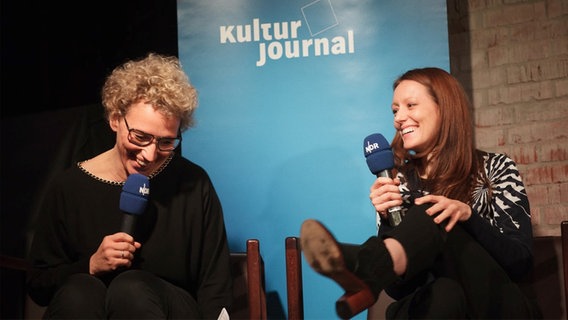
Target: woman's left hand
<point>447,209</point>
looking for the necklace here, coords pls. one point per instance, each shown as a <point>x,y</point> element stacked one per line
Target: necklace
<point>121,183</point>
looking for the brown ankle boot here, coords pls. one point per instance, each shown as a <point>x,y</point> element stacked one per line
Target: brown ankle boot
<point>340,262</point>
<point>364,271</point>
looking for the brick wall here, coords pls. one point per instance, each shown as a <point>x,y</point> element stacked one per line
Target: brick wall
<point>512,57</point>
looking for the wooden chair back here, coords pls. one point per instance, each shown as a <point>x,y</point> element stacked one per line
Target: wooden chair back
<point>564,236</point>
<point>294,279</point>
<point>249,293</point>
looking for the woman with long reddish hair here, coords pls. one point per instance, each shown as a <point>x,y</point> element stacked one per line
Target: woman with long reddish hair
<point>466,235</point>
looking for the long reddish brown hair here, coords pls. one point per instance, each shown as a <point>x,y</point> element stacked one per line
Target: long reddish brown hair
<point>453,162</point>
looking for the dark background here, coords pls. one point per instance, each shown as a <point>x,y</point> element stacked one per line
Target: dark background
<point>55,56</point>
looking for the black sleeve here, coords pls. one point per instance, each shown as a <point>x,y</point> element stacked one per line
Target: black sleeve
<point>512,251</point>
<point>502,223</point>
<point>50,258</point>
<point>214,292</point>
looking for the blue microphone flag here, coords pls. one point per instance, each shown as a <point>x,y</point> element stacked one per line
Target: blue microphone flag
<point>378,153</point>
<point>135,192</point>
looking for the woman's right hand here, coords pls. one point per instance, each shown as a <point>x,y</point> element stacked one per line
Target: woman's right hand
<point>116,250</point>
<point>385,194</point>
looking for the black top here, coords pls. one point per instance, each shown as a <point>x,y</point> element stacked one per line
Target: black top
<point>500,219</point>
<point>182,232</point>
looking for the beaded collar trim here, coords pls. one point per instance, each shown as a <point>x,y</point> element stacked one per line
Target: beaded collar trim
<point>120,183</point>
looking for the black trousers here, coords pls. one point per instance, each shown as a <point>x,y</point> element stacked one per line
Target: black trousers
<point>470,284</point>
<point>133,294</point>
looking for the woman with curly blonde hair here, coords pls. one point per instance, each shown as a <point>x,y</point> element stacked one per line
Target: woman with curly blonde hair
<point>173,261</point>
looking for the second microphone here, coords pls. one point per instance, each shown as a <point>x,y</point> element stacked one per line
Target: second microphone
<point>380,160</point>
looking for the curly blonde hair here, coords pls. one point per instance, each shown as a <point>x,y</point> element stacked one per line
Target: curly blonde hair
<point>156,79</point>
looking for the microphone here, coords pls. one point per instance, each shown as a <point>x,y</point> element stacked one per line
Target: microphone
<point>380,160</point>
<point>133,200</point>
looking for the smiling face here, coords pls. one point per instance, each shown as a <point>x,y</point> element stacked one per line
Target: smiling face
<point>143,117</point>
<point>416,115</point>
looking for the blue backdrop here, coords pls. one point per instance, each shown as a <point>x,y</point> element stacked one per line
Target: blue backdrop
<point>288,90</point>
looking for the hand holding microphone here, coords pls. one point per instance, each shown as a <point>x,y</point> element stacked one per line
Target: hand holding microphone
<point>117,250</point>
<point>380,160</point>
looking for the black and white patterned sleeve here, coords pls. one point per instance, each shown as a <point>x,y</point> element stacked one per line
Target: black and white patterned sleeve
<point>501,220</point>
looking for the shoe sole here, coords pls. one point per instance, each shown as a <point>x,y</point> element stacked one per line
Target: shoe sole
<point>323,254</point>
<point>320,249</point>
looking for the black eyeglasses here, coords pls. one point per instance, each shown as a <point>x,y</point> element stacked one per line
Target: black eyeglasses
<point>142,139</point>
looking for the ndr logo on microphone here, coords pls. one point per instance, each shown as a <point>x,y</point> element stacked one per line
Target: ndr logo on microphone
<point>277,40</point>
<point>144,191</point>
<point>371,147</point>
